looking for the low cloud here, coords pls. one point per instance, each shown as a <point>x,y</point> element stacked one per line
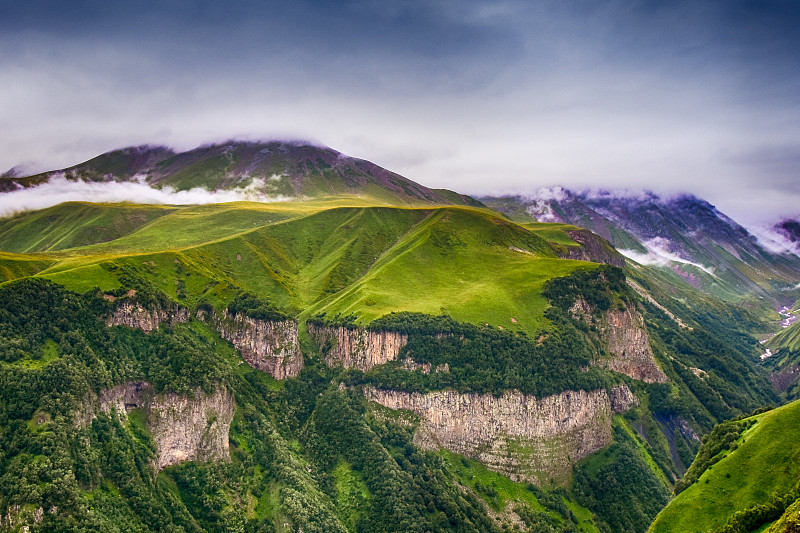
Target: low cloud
<point>659,255</point>
<point>774,241</point>
<point>59,190</point>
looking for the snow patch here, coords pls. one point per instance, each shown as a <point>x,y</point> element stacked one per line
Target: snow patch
<point>59,189</point>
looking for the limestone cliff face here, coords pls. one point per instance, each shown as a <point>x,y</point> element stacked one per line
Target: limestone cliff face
<point>267,345</point>
<point>521,436</point>
<point>133,315</point>
<point>625,335</point>
<point>357,348</point>
<point>191,428</point>
<point>629,342</point>
<point>194,427</point>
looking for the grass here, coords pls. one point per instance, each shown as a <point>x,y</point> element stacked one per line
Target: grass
<point>788,339</point>
<point>767,460</point>
<point>14,266</point>
<point>49,354</point>
<point>557,233</point>
<point>74,224</point>
<point>472,473</point>
<point>340,255</point>
<point>644,453</point>
<point>352,493</point>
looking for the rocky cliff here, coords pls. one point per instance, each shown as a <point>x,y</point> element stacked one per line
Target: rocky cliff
<point>132,314</point>
<point>625,335</point>
<point>357,348</point>
<point>267,345</point>
<point>521,436</point>
<point>191,427</point>
<point>629,343</point>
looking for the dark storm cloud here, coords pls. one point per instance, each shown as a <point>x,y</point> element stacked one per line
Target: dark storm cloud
<point>500,96</point>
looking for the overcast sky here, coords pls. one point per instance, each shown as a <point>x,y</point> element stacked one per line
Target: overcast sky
<point>480,97</point>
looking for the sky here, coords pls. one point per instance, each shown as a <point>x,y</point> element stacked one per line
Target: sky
<point>490,97</point>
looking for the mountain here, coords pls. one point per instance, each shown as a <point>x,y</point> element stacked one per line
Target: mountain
<point>683,233</point>
<point>279,169</point>
<point>355,359</point>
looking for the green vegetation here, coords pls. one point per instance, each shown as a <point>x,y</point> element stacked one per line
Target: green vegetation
<point>311,257</point>
<point>74,224</point>
<point>484,359</point>
<point>619,486</point>
<point>722,439</point>
<point>488,297</point>
<point>761,462</point>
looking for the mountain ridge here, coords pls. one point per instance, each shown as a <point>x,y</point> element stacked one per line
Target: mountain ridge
<point>681,232</point>
<point>295,169</point>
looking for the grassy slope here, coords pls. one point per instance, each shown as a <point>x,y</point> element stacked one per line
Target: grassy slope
<point>74,224</point>
<point>342,255</point>
<point>555,232</point>
<point>788,339</point>
<point>767,460</point>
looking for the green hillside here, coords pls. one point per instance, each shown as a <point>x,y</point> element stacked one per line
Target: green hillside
<point>787,340</point>
<point>74,224</point>
<point>784,363</point>
<point>762,461</point>
<point>308,257</point>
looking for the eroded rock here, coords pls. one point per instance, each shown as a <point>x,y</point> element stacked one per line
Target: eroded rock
<point>267,345</point>
<point>357,348</point>
<point>133,315</point>
<point>629,343</point>
<point>624,332</point>
<point>192,427</point>
<point>521,436</point>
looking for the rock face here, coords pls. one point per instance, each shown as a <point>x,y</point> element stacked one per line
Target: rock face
<point>185,428</point>
<point>629,342</point>
<point>622,399</point>
<point>357,348</point>
<point>267,345</point>
<point>191,428</point>
<point>626,338</point>
<point>521,436</point>
<point>133,315</point>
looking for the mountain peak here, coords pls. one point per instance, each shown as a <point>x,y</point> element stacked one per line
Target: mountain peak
<point>274,168</point>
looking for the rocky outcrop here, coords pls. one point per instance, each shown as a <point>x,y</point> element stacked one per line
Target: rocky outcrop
<point>593,248</point>
<point>625,335</point>
<point>267,345</point>
<point>132,314</point>
<point>629,344</point>
<point>521,436</point>
<point>425,368</point>
<point>357,348</point>
<point>622,399</point>
<point>192,427</point>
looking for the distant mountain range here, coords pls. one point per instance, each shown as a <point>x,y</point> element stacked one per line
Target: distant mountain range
<point>684,233</point>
